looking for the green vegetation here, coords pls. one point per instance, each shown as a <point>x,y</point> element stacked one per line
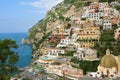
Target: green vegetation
<point>107,41</point>
<point>69,1</point>
<point>106,0</point>
<point>87,66</point>
<point>87,3</point>
<point>42,40</point>
<point>117,7</point>
<point>75,60</point>
<point>79,4</point>
<point>55,14</point>
<point>83,18</point>
<point>53,44</point>
<point>7,59</point>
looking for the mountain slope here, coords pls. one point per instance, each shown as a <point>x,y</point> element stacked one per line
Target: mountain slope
<point>58,14</point>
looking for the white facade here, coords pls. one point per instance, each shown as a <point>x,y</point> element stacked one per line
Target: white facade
<point>54,52</point>
<point>92,74</point>
<point>98,22</point>
<point>107,11</point>
<point>115,12</point>
<point>103,5</point>
<point>85,14</point>
<point>65,42</point>
<point>95,16</point>
<point>107,24</point>
<point>86,54</point>
<point>92,15</point>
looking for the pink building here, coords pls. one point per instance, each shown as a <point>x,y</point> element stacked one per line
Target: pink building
<point>117,33</point>
<point>94,5</point>
<point>72,72</point>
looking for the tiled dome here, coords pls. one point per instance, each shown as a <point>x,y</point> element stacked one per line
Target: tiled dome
<point>108,60</point>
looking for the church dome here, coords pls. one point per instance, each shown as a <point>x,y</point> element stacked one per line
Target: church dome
<point>108,60</point>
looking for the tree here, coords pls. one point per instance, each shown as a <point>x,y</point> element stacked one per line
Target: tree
<point>87,66</point>
<point>7,58</point>
<point>75,60</point>
<point>106,1</point>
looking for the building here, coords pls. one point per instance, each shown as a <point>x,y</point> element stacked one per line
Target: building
<point>54,51</point>
<point>86,54</point>
<point>94,5</point>
<point>72,72</point>
<point>103,5</point>
<point>86,44</point>
<point>55,68</point>
<point>117,33</point>
<point>88,36</point>
<point>109,66</point>
<point>95,15</point>
<point>107,24</point>
<point>107,11</point>
<point>115,20</point>
<point>98,22</point>
<point>65,42</point>
<point>87,24</point>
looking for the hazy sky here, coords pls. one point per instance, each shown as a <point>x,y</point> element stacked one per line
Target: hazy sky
<point>21,15</point>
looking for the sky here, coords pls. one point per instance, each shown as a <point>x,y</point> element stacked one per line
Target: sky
<point>21,15</point>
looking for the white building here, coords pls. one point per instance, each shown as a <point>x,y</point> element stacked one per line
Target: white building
<point>107,24</point>
<point>92,15</point>
<point>98,22</point>
<point>92,74</point>
<point>115,12</point>
<point>95,16</point>
<point>65,42</point>
<point>103,5</point>
<point>86,54</point>
<point>107,11</point>
<point>54,52</point>
<point>85,14</point>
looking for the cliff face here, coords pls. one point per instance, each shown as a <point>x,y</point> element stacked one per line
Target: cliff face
<point>59,14</point>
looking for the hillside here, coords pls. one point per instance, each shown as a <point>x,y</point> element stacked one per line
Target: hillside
<point>59,13</point>
<point>69,14</point>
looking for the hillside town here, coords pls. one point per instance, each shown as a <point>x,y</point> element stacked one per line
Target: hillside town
<point>76,49</point>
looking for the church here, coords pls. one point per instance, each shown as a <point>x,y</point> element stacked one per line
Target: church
<point>109,66</point>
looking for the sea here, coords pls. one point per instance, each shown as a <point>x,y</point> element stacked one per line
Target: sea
<point>24,51</point>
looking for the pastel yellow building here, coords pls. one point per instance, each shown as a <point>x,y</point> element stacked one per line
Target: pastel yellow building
<point>89,33</point>
<point>86,44</point>
<point>88,23</point>
<point>88,36</point>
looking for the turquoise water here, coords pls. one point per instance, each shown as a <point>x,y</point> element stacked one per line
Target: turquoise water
<point>47,58</point>
<point>24,51</point>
